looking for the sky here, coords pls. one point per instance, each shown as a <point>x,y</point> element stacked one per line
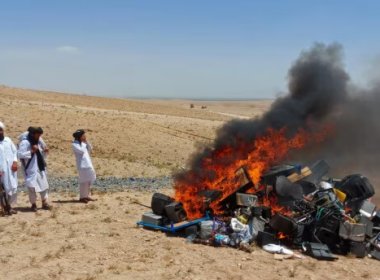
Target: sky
<point>178,49</point>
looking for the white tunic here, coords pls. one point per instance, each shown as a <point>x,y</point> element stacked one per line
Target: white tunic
<point>34,178</point>
<point>83,160</point>
<point>8,155</point>
<point>24,136</point>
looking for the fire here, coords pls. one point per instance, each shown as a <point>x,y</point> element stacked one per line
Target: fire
<point>218,169</point>
<point>281,235</point>
<point>271,201</point>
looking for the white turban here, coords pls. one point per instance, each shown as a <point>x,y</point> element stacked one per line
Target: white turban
<point>2,126</point>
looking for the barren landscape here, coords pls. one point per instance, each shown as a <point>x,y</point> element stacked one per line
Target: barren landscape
<point>100,240</point>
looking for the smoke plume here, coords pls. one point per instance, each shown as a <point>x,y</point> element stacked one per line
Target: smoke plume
<point>319,92</point>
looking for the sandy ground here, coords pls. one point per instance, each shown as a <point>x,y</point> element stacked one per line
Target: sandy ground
<point>100,240</point>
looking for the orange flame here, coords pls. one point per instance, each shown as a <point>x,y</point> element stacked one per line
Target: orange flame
<point>218,170</point>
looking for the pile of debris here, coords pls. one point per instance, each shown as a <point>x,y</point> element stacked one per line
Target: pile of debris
<point>294,206</point>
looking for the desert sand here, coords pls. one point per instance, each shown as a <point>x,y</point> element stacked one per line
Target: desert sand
<point>100,240</point>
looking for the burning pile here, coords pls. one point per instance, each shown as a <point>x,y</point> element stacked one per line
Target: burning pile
<point>292,205</point>
<point>242,183</point>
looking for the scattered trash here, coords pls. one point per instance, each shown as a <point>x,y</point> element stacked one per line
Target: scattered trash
<point>318,251</point>
<point>293,208</point>
<point>277,249</point>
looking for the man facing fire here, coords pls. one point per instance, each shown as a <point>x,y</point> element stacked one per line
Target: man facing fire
<point>31,153</point>
<point>82,150</point>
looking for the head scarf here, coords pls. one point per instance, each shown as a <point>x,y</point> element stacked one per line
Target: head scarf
<point>2,126</point>
<point>78,134</point>
<point>40,159</point>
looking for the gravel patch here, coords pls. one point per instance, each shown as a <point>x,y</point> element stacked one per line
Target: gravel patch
<point>112,183</point>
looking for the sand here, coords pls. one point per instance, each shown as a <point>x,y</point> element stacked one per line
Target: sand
<point>100,240</point>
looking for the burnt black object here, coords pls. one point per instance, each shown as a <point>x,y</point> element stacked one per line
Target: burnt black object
<point>326,230</point>
<point>376,219</point>
<point>318,251</point>
<point>286,225</point>
<point>159,201</point>
<point>358,249</point>
<point>265,238</point>
<point>356,187</point>
<point>286,189</point>
<point>175,212</point>
<point>269,178</point>
<point>261,211</point>
<point>375,254</point>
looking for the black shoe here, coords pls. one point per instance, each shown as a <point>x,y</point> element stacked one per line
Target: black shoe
<point>34,207</point>
<point>83,200</point>
<point>7,210</point>
<point>46,206</point>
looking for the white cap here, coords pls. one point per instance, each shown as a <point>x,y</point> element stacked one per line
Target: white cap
<point>2,125</point>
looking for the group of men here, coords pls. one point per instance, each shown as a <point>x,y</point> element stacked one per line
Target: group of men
<point>32,151</point>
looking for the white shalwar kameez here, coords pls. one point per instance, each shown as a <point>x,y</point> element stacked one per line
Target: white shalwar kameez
<point>35,179</point>
<point>8,155</point>
<point>85,168</point>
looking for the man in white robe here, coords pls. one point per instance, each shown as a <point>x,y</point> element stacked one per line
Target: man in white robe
<point>8,169</point>
<point>25,134</point>
<point>31,154</point>
<point>82,150</point>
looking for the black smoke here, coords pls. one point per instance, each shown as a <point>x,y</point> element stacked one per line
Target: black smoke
<point>354,146</point>
<point>319,92</point>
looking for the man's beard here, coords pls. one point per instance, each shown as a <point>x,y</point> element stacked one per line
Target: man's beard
<point>1,137</point>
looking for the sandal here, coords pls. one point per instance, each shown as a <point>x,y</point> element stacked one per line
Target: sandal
<point>83,200</point>
<point>34,207</point>
<point>46,206</point>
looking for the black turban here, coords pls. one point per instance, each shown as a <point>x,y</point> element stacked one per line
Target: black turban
<point>78,134</point>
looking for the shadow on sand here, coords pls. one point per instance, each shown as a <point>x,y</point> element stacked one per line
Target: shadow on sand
<point>67,201</point>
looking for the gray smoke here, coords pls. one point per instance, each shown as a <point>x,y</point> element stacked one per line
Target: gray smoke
<point>354,145</point>
<point>318,93</point>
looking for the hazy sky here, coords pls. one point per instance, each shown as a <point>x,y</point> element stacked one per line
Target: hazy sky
<point>199,49</point>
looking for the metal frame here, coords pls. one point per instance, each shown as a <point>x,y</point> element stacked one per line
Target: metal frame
<point>172,228</point>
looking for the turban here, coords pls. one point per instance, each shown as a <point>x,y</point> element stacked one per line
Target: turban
<point>2,126</point>
<point>77,134</point>
<point>34,129</point>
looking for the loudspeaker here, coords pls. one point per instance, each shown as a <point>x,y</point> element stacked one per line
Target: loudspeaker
<point>264,238</point>
<point>159,201</point>
<point>175,212</point>
<point>283,224</point>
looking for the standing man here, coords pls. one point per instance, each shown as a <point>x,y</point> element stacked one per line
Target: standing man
<point>87,176</point>
<point>31,154</point>
<point>25,134</point>
<point>8,170</point>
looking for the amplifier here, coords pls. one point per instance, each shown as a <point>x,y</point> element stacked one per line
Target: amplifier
<point>159,201</point>
<point>175,212</point>
<point>151,218</point>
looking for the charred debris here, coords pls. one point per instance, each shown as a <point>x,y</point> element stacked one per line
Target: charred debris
<point>293,209</point>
